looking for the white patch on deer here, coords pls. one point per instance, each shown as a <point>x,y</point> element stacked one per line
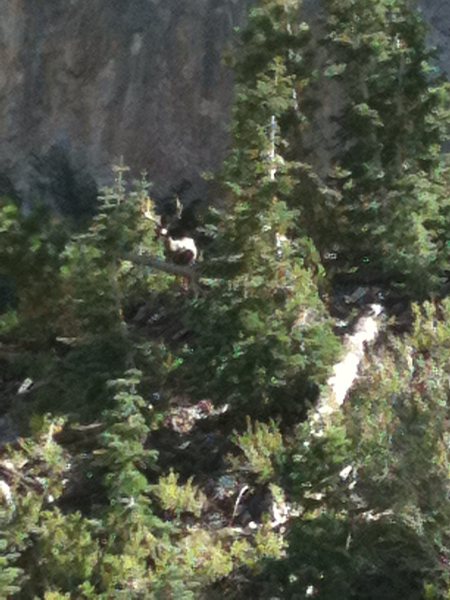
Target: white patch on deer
<point>182,245</point>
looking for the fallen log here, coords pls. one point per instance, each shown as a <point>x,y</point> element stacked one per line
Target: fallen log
<point>346,371</point>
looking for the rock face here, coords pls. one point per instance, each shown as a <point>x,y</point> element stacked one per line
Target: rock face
<point>85,82</point>
<point>437,14</point>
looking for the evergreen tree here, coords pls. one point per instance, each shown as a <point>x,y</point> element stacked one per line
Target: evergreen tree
<point>373,488</point>
<point>388,222</point>
<point>9,575</point>
<point>30,258</point>
<point>265,338</point>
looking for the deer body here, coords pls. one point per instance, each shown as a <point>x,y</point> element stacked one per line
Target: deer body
<point>182,251</point>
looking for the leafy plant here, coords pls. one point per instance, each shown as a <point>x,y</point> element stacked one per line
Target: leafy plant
<point>263,447</point>
<point>177,498</point>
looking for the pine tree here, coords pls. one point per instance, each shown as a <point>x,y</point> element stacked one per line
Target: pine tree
<point>373,487</point>
<point>9,575</point>
<point>30,258</point>
<point>388,222</point>
<point>265,338</point>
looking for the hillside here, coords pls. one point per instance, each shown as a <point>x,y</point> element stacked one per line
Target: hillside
<point>246,399</point>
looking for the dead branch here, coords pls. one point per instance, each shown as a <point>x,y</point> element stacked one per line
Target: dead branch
<point>9,473</point>
<point>156,263</point>
<point>79,433</point>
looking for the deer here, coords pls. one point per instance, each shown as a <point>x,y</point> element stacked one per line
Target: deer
<point>180,249</point>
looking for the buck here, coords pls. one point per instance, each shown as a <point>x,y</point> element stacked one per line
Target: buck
<point>179,249</point>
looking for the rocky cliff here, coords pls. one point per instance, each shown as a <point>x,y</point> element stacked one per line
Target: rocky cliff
<point>84,82</point>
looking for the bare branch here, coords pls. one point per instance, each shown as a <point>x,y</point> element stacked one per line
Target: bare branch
<point>75,434</point>
<point>156,263</point>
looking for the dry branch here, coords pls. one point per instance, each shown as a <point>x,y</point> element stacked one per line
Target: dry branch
<point>156,263</point>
